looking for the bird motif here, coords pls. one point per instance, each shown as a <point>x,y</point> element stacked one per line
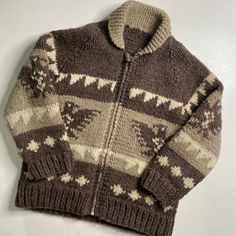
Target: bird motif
<point>76,119</point>
<point>151,139</point>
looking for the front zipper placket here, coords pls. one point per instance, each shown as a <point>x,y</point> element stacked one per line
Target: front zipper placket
<point>128,60</point>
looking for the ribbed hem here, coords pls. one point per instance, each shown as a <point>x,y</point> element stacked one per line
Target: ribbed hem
<point>52,197</point>
<point>160,187</point>
<point>135,217</point>
<point>57,198</point>
<point>48,165</point>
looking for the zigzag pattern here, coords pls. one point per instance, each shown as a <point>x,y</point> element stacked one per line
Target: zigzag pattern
<point>127,164</point>
<point>88,80</point>
<point>147,96</point>
<point>36,112</point>
<point>194,153</point>
<point>93,154</point>
<point>173,104</point>
<point>201,90</point>
<point>87,153</point>
<point>134,92</point>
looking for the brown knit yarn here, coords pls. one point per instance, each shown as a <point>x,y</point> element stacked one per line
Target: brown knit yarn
<point>115,120</point>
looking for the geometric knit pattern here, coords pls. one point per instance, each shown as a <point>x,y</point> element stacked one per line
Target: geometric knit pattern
<point>116,120</point>
<point>209,121</point>
<point>76,119</point>
<point>151,139</point>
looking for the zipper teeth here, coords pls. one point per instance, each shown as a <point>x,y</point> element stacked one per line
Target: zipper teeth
<point>128,60</point>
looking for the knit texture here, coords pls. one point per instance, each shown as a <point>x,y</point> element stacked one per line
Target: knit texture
<point>115,119</point>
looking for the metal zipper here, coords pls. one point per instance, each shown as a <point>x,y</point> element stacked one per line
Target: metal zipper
<point>128,60</point>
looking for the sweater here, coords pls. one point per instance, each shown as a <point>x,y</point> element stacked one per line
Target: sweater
<point>114,120</point>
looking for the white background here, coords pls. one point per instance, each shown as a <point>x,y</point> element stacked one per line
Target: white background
<point>207,28</point>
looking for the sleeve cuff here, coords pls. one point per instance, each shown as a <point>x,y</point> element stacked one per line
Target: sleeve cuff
<point>160,187</point>
<point>53,164</point>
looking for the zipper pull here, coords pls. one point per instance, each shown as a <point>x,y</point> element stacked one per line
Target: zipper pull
<point>128,58</point>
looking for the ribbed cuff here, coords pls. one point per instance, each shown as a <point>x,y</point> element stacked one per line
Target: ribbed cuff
<point>48,165</point>
<point>160,187</point>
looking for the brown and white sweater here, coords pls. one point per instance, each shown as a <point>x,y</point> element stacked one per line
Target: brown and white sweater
<point>114,119</point>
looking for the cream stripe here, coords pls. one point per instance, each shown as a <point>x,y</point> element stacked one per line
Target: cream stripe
<point>117,161</point>
<point>88,80</point>
<point>193,152</point>
<point>134,92</point>
<point>34,118</point>
<point>212,143</point>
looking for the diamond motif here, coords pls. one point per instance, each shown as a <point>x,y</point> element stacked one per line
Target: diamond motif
<point>188,182</point>
<point>50,178</point>
<point>163,160</point>
<point>149,200</point>
<point>33,146</point>
<point>176,171</point>
<point>134,195</point>
<point>82,180</point>
<point>49,141</point>
<point>168,208</point>
<point>117,189</point>
<point>66,178</point>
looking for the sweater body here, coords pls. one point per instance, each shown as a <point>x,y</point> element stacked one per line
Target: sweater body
<point>114,128</point>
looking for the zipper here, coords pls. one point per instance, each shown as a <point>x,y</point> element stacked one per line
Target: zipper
<point>128,61</point>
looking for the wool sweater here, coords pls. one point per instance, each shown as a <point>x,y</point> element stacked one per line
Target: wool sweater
<point>115,119</point>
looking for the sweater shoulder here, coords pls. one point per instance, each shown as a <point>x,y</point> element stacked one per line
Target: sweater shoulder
<point>81,34</point>
<point>183,58</point>
<point>189,71</point>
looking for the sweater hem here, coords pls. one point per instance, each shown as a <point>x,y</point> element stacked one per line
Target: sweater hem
<point>60,199</point>
<point>135,217</point>
<point>52,197</point>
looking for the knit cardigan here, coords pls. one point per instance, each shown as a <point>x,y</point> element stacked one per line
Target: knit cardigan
<point>115,119</point>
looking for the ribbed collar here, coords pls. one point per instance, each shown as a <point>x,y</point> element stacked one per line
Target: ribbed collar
<point>141,16</point>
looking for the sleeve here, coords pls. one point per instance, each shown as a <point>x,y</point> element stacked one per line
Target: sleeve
<point>34,118</point>
<point>188,155</point>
